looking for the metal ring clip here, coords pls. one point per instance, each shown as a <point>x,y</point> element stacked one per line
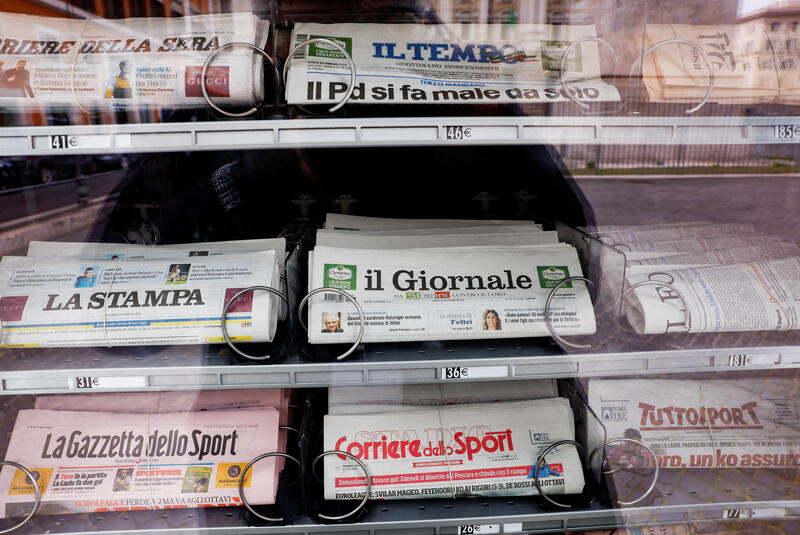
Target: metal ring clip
<point>208,61</point>
<point>37,495</point>
<point>337,46</point>
<point>703,54</point>
<point>638,443</point>
<point>666,285</point>
<point>244,473</point>
<point>563,66</point>
<point>362,321</point>
<point>363,466</point>
<point>549,325</point>
<point>541,457</point>
<point>224,321</point>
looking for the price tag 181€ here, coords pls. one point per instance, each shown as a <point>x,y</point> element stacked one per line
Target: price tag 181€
<point>461,373</point>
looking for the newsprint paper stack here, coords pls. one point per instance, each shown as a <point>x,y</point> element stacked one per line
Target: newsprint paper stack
<point>438,279</point>
<point>742,422</point>
<point>138,62</point>
<point>102,294</point>
<point>446,64</point>
<point>125,452</point>
<point>730,276</point>
<point>447,441</point>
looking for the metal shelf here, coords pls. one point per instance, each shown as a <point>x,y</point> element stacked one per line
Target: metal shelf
<point>391,131</point>
<point>42,371</point>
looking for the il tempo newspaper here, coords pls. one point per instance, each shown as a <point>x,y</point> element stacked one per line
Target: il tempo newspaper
<point>74,302</point>
<point>456,450</point>
<point>97,461</point>
<point>129,62</point>
<point>446,64</point>
<point>738,422</point>
<point>435,294</point>
<point>755,296</point>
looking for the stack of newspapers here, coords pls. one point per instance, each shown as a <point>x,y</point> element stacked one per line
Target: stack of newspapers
<point>98,294</point>
<point>154,450</point>
<point>753,62</point>
<point>743,422</point>
<point>716,277</point>
<point>446,64</point>
<point>449,441</point>
<point>440,279</point>
<point>130,62</point>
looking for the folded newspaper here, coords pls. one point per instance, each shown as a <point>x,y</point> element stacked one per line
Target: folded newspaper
<point>439,394</point>
<point>743,422</point>
<point>114,251</point>
<point>446,64</point>
<point>376,224</point>
<point>755,296</point>
<point>130,62</point>
<point>455,450</point>
<point>100,461</point>
<point>446,293</point>
<point>74,302</point>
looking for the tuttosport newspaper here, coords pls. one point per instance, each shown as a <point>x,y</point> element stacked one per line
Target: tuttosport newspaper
<point>100,461</point>
<point>345,397</point>
<point>455,450</point>
<point>739,422</point>
<point>446,293</point>
<point>129,62</point>
<point>113,251</point>
<point>76,302</point>
<point>754,296</point>
<point>446,64</point>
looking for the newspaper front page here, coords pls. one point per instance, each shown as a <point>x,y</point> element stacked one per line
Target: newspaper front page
<point>129,62</point>
<point>74,302</point>
<point>436,294</point>
<point>746,422</point>
<point>756,296</point>
<point>99,461</point>
<point>456,450</point>
<point>446,64</point>
<point>113,251</point>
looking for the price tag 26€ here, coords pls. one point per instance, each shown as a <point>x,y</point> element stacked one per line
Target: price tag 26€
<point>475,529</point>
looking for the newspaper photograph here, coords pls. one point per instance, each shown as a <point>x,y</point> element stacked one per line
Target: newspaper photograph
<point>756,296</point>
<point>441,394</point>
<point>129,62</point>
<point>455,450</point>
<point>745,422</point>
<point>76,302</point>
<point>100,461</point>
<point>437,294</point>
<point>446,64</point>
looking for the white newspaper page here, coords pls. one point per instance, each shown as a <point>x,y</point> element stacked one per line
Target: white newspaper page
<point>757,296</point>
<point>129,62</point>
<point>680,232</point>
<point>698,245</point>
<point>424,294</point>
<point>74,302</point>
<point>742,422</point>
<point>446,64</point>
<point>455,450</point>
<point>357,240</point>
<point>99,461</point>
<point>441,394</point>
<point>734,255</point>
<point>364,223</point>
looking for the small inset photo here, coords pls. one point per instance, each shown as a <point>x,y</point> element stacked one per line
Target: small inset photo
<point>332,322</point>
<point>198,253</point>
<point>87,277</point>
<point>122,480</point>
<point>178,273</point>
<point>491,320</point>
<point>115,256</point>
<point>196,479</point>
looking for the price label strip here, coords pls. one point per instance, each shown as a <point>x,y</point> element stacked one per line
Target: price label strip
<point>787,131</point>
<point>88,382</point>
<point>475,529</point>
<point>767,512</point>
<point>742,360</point>
<point>461,373</point>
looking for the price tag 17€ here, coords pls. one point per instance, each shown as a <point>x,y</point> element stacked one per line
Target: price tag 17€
<point>461,373</point>
<point>475,529</point>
